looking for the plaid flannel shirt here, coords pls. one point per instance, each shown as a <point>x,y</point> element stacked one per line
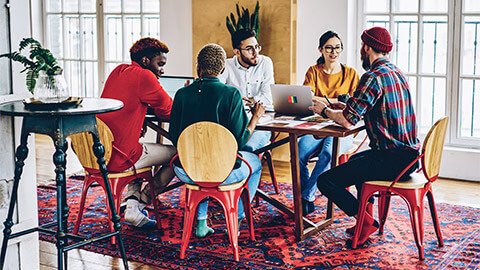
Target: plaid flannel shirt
<point>383,98</point>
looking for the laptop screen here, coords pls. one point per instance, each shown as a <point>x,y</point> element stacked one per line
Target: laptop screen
<point>171,84</point>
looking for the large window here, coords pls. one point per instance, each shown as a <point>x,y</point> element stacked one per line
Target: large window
<point>436,45</point>
<point>91,37</point>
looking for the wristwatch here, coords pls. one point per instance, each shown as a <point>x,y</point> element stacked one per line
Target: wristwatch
<point>323,114</point>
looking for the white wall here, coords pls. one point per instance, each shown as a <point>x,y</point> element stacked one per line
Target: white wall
<point>176,32</point>
<point>315,17</point>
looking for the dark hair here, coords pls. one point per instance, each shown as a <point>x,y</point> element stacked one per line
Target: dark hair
<point>240,35</point>
<point>323,39</point>
<point>148,47</point>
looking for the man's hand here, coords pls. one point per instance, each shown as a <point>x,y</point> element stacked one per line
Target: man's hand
<point>258,109</point>
<point>250,102</point>
<point>317,106</point>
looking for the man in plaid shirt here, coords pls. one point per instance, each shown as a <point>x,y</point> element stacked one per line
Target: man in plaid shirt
<point>383,99</point>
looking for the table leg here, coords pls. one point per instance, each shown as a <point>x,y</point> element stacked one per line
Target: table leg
<point>21,154</point>
<point>334,163</point>
<point>99,152</point>
<point>297,188</point>
<point>59,159</point>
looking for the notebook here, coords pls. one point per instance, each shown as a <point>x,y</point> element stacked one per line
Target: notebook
<point>171,84</point>
<point>292,99</point>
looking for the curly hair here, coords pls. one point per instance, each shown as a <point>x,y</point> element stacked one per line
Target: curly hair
<point>149,47</point>
<point>211,59</point>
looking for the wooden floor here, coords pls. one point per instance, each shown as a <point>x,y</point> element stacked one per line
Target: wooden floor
<point>447,191</point>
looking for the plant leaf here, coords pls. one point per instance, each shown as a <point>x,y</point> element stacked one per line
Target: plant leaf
<point>230,27</point>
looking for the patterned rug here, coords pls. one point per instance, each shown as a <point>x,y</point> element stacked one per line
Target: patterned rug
<point>275,247</point>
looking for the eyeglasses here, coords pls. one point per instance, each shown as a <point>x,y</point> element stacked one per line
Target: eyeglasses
<point>250,49</point>
<point>329,49</point>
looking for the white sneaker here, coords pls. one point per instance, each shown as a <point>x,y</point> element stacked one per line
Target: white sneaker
<point>136,217</point>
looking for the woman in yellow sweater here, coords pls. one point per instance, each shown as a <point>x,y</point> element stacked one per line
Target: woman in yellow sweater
<point>327,78</point>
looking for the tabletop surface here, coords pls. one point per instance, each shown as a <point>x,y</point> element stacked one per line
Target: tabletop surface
<point>289,125</point>
<point>88,106</point>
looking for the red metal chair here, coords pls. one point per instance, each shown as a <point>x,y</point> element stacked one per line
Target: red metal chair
<point>207,152</point>
<point>82,146</point>
<point>412,191</point>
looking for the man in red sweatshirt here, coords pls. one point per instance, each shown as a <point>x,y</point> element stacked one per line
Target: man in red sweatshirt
<point>137,86</point>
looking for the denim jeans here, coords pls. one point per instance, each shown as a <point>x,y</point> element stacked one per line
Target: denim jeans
<point>235,176</point>
<point>365,166</point>
<point>258,140</point>
<point>307,146</point>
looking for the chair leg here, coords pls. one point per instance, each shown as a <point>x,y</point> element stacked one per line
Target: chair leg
<point>383,206</point>
<point>86,185</point>
<point>155,205</point>
<point>188,219</point>
<point>436,223</point>
<point>248,213</point>
<point>414,200</point>
<point>268,158</point>
<point>230,203</point>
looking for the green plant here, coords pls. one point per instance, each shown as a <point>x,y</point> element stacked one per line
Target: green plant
<point>39,59</point>
<point>244,20</point>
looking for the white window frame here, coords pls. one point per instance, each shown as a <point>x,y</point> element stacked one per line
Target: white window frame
<point>452,74</point>
<point>102,63</point>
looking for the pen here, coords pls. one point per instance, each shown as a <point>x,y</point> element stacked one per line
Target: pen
<point>329,103</point>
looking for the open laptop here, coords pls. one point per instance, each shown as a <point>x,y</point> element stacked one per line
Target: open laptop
<point>171,84</point>
<point>292,99</point>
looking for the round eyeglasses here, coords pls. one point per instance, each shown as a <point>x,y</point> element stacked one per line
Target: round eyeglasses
<point>250,49</point>
<point>330,49</point>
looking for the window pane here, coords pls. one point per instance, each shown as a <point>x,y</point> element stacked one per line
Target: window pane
<point>432,94</point>
<point>91,79</point>
<point>470,46</point>
<point>53,5</point>
<point>152,26</point>
<point>151,6</point>
<point>435,5</point>
<point>70,5</point>
<point>88,6</point>
<point>131,6</point>
<point>110,6</point>
<point>382,21</point>
<point>113,44</point>
<point>55,37</point>
<point>72,71</point>
<point>72,46</point>
<point>470,109</point>
<point>471,5</point>
<point>132,32</point>
<point>405,5</point>
<point>405,46</point>
<point>412,82</point>
<point>89,27</point>
<point>376,5</point>
<point>435,33</point>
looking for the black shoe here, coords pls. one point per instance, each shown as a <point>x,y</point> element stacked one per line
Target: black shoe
<point>307,207</point>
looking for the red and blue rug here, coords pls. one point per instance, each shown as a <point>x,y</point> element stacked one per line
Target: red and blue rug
<point>275,247</point>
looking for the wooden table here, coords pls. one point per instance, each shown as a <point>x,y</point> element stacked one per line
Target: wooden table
<point>303,226</point>
<point>59,123</point>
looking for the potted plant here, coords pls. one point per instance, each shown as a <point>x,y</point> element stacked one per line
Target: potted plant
<point>244,20</point>
<point>40,63</point>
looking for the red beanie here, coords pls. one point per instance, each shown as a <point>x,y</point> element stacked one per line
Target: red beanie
<point>378,38</point>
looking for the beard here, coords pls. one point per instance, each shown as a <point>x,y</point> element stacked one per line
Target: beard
<point>365,60</point>
<point>249,61</point>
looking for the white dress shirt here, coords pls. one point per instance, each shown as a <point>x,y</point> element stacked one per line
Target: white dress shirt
<point>254,81</point>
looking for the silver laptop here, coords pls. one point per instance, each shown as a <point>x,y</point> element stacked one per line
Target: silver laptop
<point>292,99</point>
<point>172,83</point>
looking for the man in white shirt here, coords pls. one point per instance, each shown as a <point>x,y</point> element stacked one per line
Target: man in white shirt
<point>252,75</point>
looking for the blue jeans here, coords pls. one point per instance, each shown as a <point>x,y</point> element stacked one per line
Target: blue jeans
<point>364,166</point>
<point>258,140</point>
<point>235,176</point>
<point>307,146</point>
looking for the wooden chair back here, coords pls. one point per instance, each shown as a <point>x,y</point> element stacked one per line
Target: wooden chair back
<point>207,152</point>
<point>82,146</point>
<point>433,148</point>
